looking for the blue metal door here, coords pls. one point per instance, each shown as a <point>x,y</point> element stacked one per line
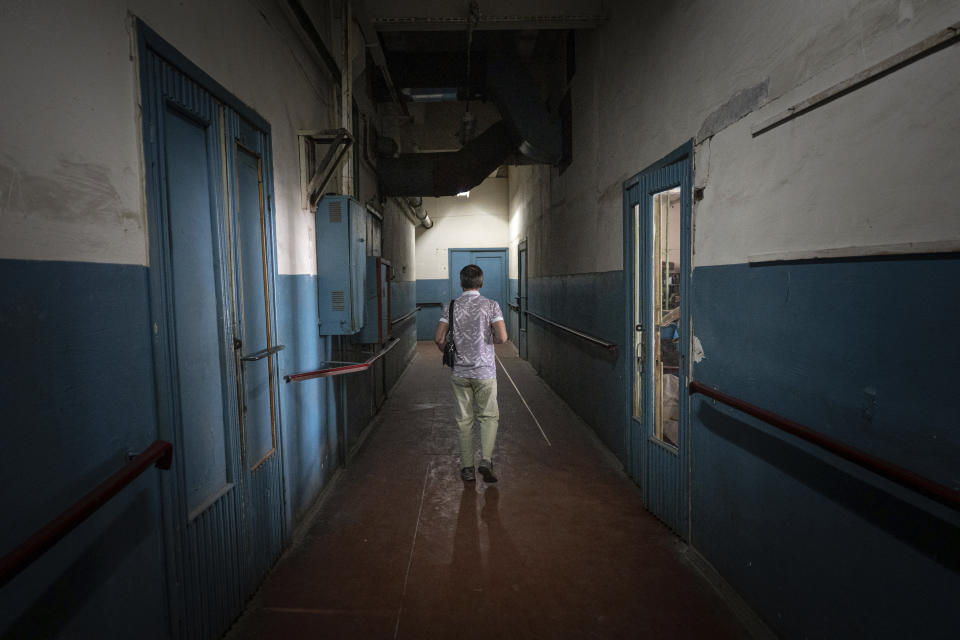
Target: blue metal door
<point>193,349</point>
<point>657,248</point>
<point>256,348</point>
<point>494,265</point>
<point>211,288</point>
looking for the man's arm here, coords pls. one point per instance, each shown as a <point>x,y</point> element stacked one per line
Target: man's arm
<point>499,332</point>
<point>440,335</point>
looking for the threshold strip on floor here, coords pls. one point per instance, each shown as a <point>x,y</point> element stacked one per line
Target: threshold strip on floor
<point>524,401</point>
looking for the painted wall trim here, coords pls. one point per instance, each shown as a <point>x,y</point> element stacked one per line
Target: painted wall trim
<point>936,42</point>
<point>897,249</point>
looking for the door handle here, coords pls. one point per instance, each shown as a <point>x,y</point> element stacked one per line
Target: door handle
<point>260,355</point>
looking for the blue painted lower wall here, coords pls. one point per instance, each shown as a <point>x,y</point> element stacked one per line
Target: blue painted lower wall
<point>865,352</point>
<point>431,292</point>
<point>862,350</point>
<point>76,394</point>
<point>587,376</point>
<point>403,301</point>
<point>309,433</point>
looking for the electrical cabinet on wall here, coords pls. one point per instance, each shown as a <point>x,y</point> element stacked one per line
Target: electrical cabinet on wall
<point>341,264</point>
<point>376,326</point>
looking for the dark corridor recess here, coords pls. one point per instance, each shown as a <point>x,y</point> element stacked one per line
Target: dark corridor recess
<point>560,547</point>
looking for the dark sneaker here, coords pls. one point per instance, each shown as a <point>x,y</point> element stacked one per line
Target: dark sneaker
<point>486,470</point>
<point>467,474</point>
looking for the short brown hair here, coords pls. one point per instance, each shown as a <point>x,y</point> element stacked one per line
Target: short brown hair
<point>471,277</point>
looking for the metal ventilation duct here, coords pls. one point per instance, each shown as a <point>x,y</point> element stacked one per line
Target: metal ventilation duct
<point>527,125</point>
<point>447,174</point>
<point>516,94</point>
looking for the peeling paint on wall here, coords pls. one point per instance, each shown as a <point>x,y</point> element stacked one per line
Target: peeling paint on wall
<point>74,191</point>
<point>742,103</point>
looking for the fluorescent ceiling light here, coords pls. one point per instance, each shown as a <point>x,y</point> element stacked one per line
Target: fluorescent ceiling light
<point>463,194</point>
<point>430,94</point>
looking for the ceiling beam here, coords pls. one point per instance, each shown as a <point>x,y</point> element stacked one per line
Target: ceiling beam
<point>429,15</point>
<point>488,23</point>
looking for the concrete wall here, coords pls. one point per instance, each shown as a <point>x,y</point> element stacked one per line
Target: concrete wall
<point>788,528</point>
<point>77,381</point>
<point>477,222</point>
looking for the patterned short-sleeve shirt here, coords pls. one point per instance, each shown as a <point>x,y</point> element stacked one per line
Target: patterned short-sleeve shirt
<point>472,333</point>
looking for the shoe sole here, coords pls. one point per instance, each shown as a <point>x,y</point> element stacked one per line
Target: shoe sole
<point>487,475</point>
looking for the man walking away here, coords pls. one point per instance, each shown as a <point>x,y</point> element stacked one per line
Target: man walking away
<point>477,326</point>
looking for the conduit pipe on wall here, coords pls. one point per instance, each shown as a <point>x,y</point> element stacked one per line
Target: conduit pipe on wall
<point>413,207</point>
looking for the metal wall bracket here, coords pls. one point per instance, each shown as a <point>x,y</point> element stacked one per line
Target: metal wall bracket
<point>338,142</point>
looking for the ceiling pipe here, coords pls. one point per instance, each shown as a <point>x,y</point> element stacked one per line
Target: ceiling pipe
<point>413,207</point>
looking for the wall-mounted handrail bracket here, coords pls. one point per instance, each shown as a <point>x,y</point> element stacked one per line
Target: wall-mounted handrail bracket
<point>260,355</point>
<point>905,478</point>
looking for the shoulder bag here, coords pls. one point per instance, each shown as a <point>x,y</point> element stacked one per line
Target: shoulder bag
<point>449,348</point>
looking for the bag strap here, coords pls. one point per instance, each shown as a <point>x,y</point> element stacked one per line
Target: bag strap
<point>451,319</point>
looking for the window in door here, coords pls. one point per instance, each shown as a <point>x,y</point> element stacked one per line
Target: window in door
<point>666,313</point>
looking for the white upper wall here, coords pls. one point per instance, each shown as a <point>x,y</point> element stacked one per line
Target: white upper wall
<point>877,166</point>
<point>477,222</point>
<point>71,162</point>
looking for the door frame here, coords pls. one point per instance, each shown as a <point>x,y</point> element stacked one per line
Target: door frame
<point>637,438</point>
<point>523,269</point>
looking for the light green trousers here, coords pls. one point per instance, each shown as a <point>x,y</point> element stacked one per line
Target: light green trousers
<point>475,397</point>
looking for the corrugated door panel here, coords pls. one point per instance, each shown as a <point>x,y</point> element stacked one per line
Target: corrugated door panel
<point>663,469</point>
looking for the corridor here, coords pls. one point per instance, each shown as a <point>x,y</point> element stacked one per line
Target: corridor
<point>560,547</point>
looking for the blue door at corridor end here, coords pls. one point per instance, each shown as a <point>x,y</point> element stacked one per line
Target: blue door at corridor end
<point>494,265</point>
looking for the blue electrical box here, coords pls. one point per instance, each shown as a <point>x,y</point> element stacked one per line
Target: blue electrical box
<point>341,265</point>
<point>376,326</point>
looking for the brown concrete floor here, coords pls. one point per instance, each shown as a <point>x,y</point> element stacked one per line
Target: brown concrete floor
<point>561,547</point>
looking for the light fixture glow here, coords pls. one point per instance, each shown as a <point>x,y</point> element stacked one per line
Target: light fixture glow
<point>463,194</point>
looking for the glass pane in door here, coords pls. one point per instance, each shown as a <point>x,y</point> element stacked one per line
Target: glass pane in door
<point>637,319</point>
<point>666,313</point>
<point>258,393</point>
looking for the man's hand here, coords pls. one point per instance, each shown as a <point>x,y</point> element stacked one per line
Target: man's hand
<point>440,335</point>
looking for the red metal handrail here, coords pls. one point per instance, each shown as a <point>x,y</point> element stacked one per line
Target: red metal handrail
<point>915,482</point>
<point>345,367</point>
<point>160,452</point>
